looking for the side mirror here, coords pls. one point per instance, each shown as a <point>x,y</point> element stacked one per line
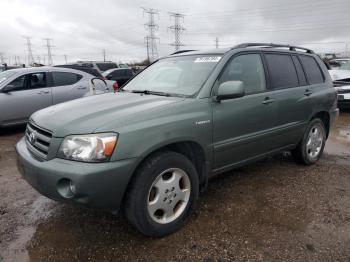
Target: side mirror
<point>7,88</point>
<point>230,90</point>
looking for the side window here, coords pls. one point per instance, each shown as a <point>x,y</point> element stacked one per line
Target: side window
<point>19,83</point>
<point>247,68</point>
<point>65,78</point>
<point>312,70</point>
<point>301,74</point>
<point>37,80</point>
<point>281,70</point>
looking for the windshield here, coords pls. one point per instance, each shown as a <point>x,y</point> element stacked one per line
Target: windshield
<point>5,75</point>
<point>106,73</point>
<point>106,66</point>
<point>345,66</point>
<point>183,75</point>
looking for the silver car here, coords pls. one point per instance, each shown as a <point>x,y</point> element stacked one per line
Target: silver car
<point>26,90</point>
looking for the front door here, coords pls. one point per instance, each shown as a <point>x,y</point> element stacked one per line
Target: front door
<point>29,93</point>
<point>243,126</point>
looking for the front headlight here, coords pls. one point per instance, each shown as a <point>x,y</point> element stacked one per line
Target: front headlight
<point>88,148</point>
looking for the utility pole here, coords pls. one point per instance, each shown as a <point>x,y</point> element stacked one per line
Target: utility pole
<point>65,58</point>
<point>104,55</point>
<point>216,42</point>
<point>177,29</point>
<point>151,39</point>
<point>49,53</point>
<point>29,50</point>
<point>2,59</point>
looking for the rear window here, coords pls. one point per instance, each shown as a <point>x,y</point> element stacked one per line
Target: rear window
<point>312,70</point>
<point>65,78</point>
<point>282,70</point>
<point>106,66</point>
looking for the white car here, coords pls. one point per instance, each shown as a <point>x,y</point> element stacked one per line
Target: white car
<point>341,79</point>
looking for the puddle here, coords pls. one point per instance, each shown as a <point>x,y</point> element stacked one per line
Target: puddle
<point>17,251</point>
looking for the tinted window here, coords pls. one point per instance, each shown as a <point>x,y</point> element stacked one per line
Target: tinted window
<point>65,78</point>
<point>312,70</point>
<point>118,73</point>
<point>18,83</point>
<point>105,66</point>
<point>248,69</point>
<point>281,70</point>
<point>37,80</point>
<point>301,74</point>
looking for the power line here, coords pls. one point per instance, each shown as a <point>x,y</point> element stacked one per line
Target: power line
<point>2,59</point>
<point>29,50</point>
<point>177,29</point>
<point>49,53</point>
<point>151,39</point>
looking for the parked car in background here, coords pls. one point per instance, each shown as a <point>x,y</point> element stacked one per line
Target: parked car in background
<point>341,80</point>
<point>152,147</point>
<point>119,75</point>
<point>99,66</point>
<point>336,63</point>
<point>89,70</point>
<point>26,90</point>
<point>6,67</point>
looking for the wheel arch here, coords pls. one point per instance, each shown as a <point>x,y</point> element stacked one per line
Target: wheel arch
<point>190,149</point>
<point>325,117</point>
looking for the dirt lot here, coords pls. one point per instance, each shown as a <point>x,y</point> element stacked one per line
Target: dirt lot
<point>273,210</point>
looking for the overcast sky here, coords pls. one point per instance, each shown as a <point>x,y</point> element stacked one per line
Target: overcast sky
<point>82,29</point>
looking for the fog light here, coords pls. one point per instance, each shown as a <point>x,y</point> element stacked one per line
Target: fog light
<point>66,188</point>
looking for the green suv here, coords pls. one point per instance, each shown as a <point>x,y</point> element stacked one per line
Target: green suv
<point>150,148</point>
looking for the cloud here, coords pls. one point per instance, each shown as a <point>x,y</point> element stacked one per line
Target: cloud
<point>81,29</point>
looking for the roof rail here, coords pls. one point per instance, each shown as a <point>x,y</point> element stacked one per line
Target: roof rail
<point>269,45</point>
<point>182,51</point>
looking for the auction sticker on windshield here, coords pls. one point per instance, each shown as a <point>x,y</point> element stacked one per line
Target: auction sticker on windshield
<point>208,59</point>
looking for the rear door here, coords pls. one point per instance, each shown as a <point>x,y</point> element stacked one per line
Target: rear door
<point>67,86</point>
<point>289,82</point>
<point>243,127</point>
<point>30,93</point>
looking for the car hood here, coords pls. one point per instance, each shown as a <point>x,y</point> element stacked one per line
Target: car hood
<point>85,115</point>
<point>339,74</point>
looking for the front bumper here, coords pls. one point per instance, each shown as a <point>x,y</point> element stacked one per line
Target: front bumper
<point>334,113</point>
<point>97,185</point>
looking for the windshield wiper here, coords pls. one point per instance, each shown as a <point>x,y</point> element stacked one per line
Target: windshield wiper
<point>149,92</point>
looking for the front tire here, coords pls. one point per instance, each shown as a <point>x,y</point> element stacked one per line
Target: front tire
<point>310,148</point>
<point>162,194</point>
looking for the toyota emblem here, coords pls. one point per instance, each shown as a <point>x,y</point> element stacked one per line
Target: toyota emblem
<point>32,137</point>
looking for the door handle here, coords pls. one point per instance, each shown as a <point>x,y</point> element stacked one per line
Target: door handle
<point>268,100</point>
<point>82,87</point>
<point>43,92</point>
<point>307,92</point>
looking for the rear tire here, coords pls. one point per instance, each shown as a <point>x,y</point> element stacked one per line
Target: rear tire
<point>161,194</point>
<point>310,148</point>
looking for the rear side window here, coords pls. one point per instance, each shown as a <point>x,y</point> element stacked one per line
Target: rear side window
<point>65,78</point>
<point>312,70</point>
<point>301,74</point>
<point>282,71</point>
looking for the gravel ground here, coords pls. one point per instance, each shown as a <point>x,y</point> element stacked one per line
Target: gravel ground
<point>274,210</point>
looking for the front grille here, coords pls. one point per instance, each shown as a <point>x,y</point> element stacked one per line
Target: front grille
<point>38,140</point>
